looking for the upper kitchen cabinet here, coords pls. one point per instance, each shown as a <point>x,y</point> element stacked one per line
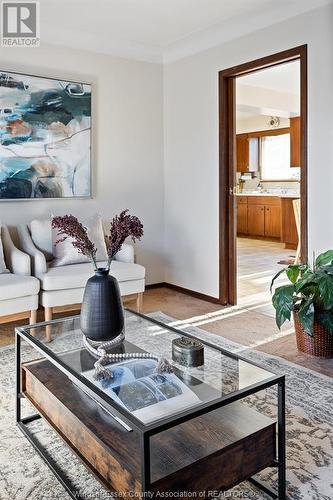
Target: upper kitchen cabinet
<point>247,153</point>
<point>295,142</point>
<point>242,152</point>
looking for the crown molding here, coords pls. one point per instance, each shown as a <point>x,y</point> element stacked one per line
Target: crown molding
<point>237,27</point>
<point>197,42</point>
<point>101,44</point>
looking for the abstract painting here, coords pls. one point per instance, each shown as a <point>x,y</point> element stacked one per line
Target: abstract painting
<point>45,138</point>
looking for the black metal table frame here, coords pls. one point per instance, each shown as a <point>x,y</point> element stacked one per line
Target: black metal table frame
<point>146,431</point>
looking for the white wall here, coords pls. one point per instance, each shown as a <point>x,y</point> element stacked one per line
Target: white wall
<point>191,144</point>
<point>128,141</point>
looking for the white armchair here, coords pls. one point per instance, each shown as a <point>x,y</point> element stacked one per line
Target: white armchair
<point>18,289</point>
<point>62,287</point>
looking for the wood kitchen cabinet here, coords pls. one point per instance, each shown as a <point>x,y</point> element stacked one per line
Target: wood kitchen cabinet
<point>273,221</point>
<point>259,216</point>
<point>247,153</point>
<point>256,220</point>
<point>242,215</point>
<point>242,152</point>
<point>289,234</point>
<point>295,141</point>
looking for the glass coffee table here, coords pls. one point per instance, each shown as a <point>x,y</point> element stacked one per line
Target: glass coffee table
<point>140,431</point>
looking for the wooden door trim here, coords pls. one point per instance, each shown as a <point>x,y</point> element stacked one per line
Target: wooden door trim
<point>227,166</point>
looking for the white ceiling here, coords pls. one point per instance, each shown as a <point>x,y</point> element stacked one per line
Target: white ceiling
<point>241,115</point>
<point>280,98</point>
<point>282,78</point>
<point>159,30</point>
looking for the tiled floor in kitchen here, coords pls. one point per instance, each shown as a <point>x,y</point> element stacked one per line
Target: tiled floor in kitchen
<point>257,263</point>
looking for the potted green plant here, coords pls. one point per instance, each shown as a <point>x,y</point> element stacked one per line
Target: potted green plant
<point>309,296</point>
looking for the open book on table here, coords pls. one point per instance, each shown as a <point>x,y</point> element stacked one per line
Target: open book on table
<point>147,395</point>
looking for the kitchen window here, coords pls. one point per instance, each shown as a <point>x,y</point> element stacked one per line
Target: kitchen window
<point>275,158</point>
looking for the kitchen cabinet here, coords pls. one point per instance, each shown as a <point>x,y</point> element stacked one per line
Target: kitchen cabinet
<point>242,215</point>
<point>273,221</point>
<point>295,141</point>
<point>259,216</point>
<point>256,220</point>
<point>247,153</point>
<point>289,234</point>
<point>242,152</point>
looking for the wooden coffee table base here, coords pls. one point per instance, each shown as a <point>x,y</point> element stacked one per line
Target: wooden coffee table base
<point>215,451</point>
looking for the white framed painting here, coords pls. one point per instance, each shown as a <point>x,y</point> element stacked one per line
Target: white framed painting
<point>45,138</point>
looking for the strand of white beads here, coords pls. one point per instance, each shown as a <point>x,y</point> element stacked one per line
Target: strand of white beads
<point>99,350</point>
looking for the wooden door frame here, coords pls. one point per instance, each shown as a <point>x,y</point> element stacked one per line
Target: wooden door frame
<point>227,166</point>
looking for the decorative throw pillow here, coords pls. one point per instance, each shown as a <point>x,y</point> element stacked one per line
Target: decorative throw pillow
<point>64,253</point>
<point>41,235</point>
<point>3,268</point>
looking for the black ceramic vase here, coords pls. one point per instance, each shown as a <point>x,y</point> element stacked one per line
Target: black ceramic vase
<point>102,314</point>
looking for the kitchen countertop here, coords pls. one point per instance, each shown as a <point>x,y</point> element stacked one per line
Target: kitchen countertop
<point>277,195</point>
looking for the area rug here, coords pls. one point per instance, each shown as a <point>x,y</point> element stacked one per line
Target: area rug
<point>309,406</point>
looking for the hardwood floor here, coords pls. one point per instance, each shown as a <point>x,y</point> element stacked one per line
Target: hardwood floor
<point>253,326</point>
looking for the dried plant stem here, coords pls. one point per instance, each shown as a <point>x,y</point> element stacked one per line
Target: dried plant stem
<point>94,262</point>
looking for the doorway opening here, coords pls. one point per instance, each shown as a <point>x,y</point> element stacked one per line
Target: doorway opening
<point>263,173</point>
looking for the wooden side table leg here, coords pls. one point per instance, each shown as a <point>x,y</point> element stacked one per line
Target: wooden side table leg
<point>139,302</point>
<point>32,321</point>
<point>33,317</point>
<point>48,317</point>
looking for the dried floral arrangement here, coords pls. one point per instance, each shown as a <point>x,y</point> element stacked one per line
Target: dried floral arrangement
<point>122,226</point>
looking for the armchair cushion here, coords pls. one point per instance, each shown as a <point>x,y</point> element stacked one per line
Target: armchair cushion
<point>45,238</point>
<point>17,261</point>
<point>41,235</point>
<point>39,264</point>
<point>76,275</point>
<point>2,257</point>
<point>13,286</point>
<point>125,254</point>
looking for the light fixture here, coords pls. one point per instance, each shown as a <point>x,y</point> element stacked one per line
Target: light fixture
<point>274,121</point>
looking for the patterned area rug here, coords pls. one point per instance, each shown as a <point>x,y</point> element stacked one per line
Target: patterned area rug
<point>23,474</point>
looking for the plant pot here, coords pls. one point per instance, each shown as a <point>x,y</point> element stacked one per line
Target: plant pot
<point>102,314</point>
<point>320,345</point>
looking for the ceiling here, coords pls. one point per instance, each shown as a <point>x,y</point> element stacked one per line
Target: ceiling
<point>282,78</point>
<point>274,91</point>
<point>159,30</point>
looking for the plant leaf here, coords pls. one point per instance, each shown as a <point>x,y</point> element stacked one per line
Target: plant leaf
<point>324,258</point>
<point>325,290</point>
<point>306,315</point>
<point>328,269</point>
<point>275,277</point>
<point>283,302</point>
<point>293,272</point>
<point>308,277</point>
<point>326,319</point>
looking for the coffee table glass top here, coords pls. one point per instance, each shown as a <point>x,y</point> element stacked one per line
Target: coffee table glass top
<point>135,390</point>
